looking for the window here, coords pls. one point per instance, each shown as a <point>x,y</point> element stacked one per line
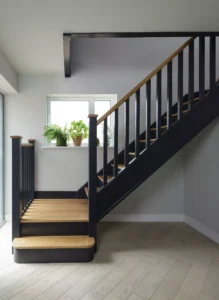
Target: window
<point>63,109</point>
<point>2,214</point>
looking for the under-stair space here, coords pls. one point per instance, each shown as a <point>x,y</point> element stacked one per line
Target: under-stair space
<point>65,230</point>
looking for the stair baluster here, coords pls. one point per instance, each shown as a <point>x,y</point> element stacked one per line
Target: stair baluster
<point>148,114</point>
<point>105,166</point>
<point>180,86</point>
<point>32,168</point>
<point>191,76</point>
<point>23,167</point>
<point>212,62</point>
<point>92,172</point>
<point>16,185</point>
<point>116,130</point>
<point>169,93</point>
<point>137,122</point>
<point>126,123</point>
<point>201,67</point>
<point>158,104</point>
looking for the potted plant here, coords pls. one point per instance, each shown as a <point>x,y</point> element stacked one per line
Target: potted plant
<point>55,132</point>
<point>78,131</point>
<point>109,134</point>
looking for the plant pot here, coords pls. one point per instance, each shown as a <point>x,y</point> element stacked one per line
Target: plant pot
<point>77,142</point>
<point>60,142</point>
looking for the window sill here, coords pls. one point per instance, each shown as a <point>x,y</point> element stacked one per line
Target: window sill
<point>73,147</point>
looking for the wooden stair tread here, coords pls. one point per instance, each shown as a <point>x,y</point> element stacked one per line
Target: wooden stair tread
<point>108,177</point>
<point>154,129</point>
<point>56,211</point>
<point>131,153</point>
<point>86,190</point>
<point>174,115</point>
<point>54,242</point>
<point>143,141</point>
<point>196,99</point>
<point>120,166</point>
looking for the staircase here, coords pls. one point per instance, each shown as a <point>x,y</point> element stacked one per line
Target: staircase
<point>64,230</point>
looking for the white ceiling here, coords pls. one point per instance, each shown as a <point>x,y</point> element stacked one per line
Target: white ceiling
<point>31,30</point>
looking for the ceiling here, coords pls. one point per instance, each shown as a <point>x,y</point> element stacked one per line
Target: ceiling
<point>31,31</point>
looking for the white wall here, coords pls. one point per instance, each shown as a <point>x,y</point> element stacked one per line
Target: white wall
<point>160,198</point>
<point>201,173</point>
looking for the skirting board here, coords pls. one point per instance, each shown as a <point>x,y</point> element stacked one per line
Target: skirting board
<point>202,228</point>
<point>144,218</point>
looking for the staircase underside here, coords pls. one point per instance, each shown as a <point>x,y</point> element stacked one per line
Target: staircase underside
<point>160,151</point>
<point>54,230</point>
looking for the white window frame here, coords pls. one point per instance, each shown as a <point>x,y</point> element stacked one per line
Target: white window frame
<point>91,98</point>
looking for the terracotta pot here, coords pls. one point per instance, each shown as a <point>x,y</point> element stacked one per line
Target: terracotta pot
<point>77,142</point>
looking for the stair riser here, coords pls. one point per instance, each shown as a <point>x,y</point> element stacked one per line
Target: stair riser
<point>23,256</point>
<point>42,229</point>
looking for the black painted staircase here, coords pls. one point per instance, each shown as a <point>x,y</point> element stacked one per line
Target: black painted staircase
<point>60,230</point>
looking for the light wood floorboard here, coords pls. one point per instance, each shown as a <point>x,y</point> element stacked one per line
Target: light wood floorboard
<point>135,261</point>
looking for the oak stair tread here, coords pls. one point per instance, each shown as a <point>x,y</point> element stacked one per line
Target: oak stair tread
<point>120,166</point>
<point>174,115</point>
<point>56,210</point>
<point>86,190</point>
<point>187,102</point>
<point>108,177</point>
<point>154,128</point>
<point>131,153</point>
<point>54,242</point>
<point>143,141</point>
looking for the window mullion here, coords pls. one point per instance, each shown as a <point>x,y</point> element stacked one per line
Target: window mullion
<point>91,106</point>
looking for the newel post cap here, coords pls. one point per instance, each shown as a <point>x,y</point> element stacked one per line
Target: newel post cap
<point>16,137</point>
<point>92,116</point>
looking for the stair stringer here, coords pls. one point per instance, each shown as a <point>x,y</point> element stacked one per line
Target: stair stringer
<point>150,160</point>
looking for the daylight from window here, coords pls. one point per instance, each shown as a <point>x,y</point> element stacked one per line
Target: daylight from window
<point>62,111</point>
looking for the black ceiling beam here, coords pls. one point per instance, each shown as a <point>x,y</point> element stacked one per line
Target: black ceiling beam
<point>140,34</point>
<point>67,37</point>
<point>67,54</point>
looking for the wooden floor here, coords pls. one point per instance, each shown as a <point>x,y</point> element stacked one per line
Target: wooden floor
<point>135,261</point>
<point>57,210</point>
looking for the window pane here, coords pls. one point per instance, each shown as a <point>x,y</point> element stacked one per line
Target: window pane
<point>64,112</point>
<point>2,217</point>
<point>101,107</point>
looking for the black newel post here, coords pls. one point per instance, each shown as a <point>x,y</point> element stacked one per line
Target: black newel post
<point>92,174</point>
<point>32,168</point>
<point>16,186</point>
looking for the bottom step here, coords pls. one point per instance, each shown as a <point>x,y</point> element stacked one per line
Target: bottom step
<point>48,249</point>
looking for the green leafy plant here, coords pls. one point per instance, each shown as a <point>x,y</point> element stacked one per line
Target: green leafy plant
<point>78,131</point>
<point>109,134</point>
<point>55,132</point>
